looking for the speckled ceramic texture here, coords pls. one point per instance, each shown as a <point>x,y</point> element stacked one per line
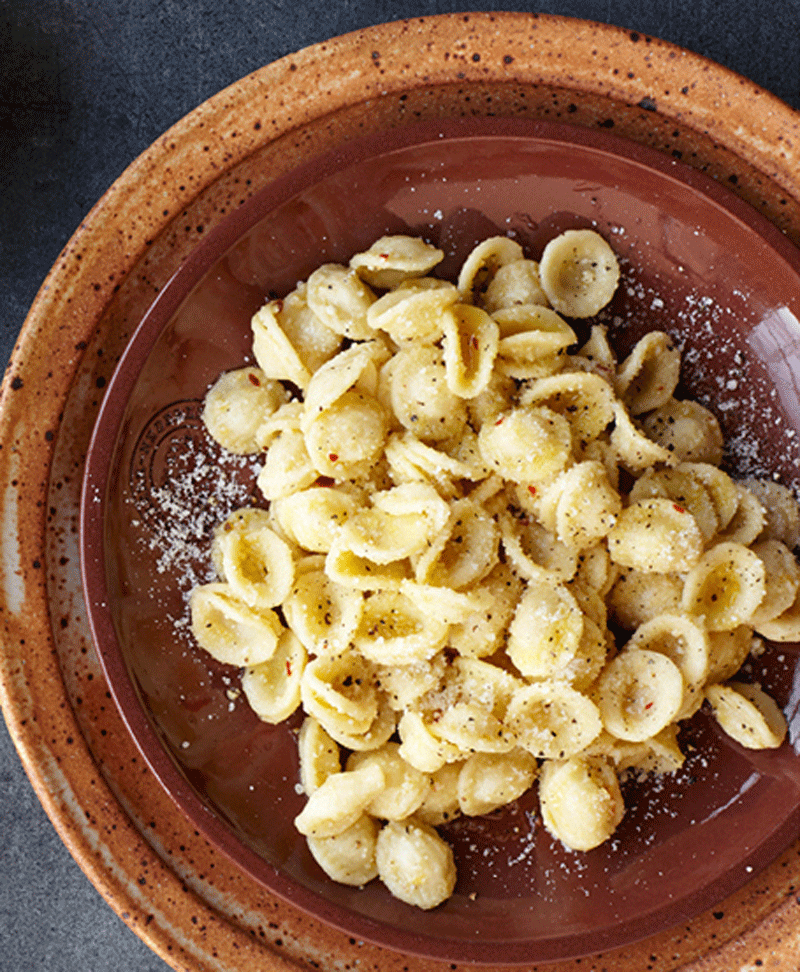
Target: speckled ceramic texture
<point>189,902</point>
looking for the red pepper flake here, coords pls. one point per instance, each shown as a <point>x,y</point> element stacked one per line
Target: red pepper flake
<point>474,341</point>
<point>333,457</point>
<point>532,490</point>
<point>648,706</point>
<point>677,508</point>
<point>288,668</point>
<point>500,420</point>
<point>384,256</point>
<point>253,379</point>
<point>325,481</point>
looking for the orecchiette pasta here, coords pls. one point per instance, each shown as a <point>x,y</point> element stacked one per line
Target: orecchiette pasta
<point>465,504</point>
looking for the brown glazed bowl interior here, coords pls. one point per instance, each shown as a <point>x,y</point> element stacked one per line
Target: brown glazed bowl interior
<point>697,262</point>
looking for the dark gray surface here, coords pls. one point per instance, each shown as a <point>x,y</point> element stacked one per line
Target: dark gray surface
<point>85,86</point>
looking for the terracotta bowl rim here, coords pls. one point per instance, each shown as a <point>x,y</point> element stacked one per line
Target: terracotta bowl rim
<point>754,140</point>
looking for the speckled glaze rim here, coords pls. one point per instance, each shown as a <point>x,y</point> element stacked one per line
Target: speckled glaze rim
<point>646,76</point>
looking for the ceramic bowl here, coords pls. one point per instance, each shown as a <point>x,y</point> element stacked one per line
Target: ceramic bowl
<point>177,802</point>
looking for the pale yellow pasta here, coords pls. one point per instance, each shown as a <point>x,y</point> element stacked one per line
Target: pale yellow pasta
<point>318,755</point>
<point>527,445</point>
<point>487,781</point>
<point>287,467</point>
<point>391,260</point>
<point>781,581</point>
<point>579,273</point>
<point>413,311</point>
<point>348,857</point>
<point>686,644</point>
<point>466,503</point>
<point>655,535</point>
<point>781,511</point>
<point>553,721</point>
<point>747,714</point>
<point>415,864</point>
<point>339,692</point>
<point>441,802</point>
<point>236,405</point>
<point>311,518</point>
<point>513,284</point>
<point>639,693</point>
<point>229,630</point>
<point>580,800</point>
<point>394,631</point>
<point>724,589</point>
<point>470,347</point>
<point>272,687</point>
<point>405,787</point>
<point>585,399</point>
<point>687,429</point>
<point>340,299</point>
<point>649,375</point>
<point>420,396</point>
<point>347,438</point>
<point>339,801</point>
<point>257,564</point>
<point>483,263</point>
<point>323,614</point>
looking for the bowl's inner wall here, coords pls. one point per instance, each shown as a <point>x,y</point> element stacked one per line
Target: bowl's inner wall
<point>691,266</point>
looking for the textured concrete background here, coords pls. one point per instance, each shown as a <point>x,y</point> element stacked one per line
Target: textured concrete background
<point>85,86</point>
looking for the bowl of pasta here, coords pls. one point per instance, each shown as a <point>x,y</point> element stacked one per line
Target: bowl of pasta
<point>437,519</point>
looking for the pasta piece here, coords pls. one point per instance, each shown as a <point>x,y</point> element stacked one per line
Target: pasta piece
<point>685,490</point>
<point>587,505</point>
<point>530,333</point>
<point>470,347</point>
<point>339,802</point>
<point>552,720</point>
<point>420,395</point>
<point>527,445</point>
<point>634,450</point>
<point>415,864</point>
<point>786,627</point>
<point>394,631</point>
<point>339,692</point>
<point>441,803</point>
<point>257,564</point>
<point>247,518</point>
<point>392,260</point>
<point>586,400</point>
<point>273,687</point>
<point>649,375</point>
<point>581,801</point>
<point>782,580</point>
<point>380,731</point>
<point>349,857</point>
<point>318,754</point>
<point>311,518</point>
<point>688,430</point>
<point>579,273</point>
<point>481,632</point>
<point>236,405</point>
<point>545,632</point>
<point>488,781</point>
<point>748,715</point>
<point>726,586</point>
<point>323,614</point>
<point>639,693</point>
<point>782,514</point>
<point>347,438</point>
<point>727,651</point>
<point>660,754</point>
<point>275,354</point>
<point>747,522</point>
<point>638,597</point>
<point>287,468</point>
<point>420,746</point>
<point>655,535</point>
<point>405,685</point>
<point>405,787</point>
<point>383,538</point>
<point>483,263</point>
<point>686,644</point>
<point>232,632</point>
<point>514,284</point>
<point>313,341</point>
<point>337,376</point>
<point>340,299</point>
<point>414,311</point>
<point>535,552</point>
<point>721,488</point>
<point>464,552</point>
